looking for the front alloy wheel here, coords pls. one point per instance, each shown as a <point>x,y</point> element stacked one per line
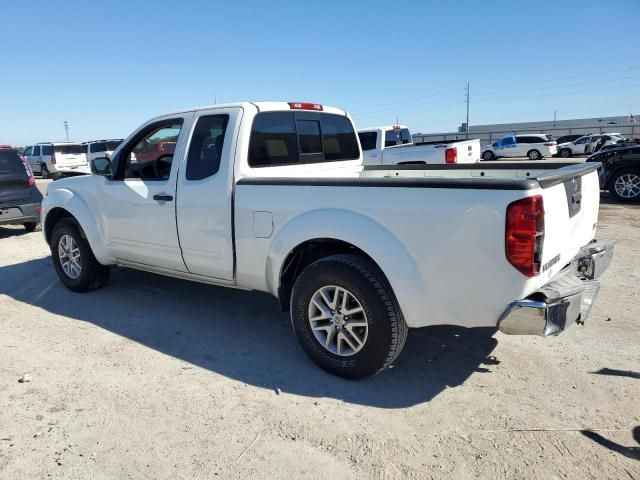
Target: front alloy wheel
<point>69,255</point>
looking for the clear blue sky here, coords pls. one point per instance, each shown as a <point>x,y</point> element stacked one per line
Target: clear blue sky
<point>107,66</point>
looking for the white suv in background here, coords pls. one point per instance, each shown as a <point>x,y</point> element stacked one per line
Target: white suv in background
<point>48,158</point>
<point>585,145</point>
<point>100,148</point>
<point>534,146</point>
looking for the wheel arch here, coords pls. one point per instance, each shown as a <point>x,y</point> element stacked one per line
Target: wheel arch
<point>63,203</point>
<point>302,241</point>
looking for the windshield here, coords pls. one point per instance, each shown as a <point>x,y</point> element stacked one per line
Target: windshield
<point>397,137</point>
<point>68,149</point>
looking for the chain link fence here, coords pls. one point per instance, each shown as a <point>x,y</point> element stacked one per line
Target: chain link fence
<point>630,131</point>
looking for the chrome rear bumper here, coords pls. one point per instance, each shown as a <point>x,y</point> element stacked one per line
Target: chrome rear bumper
<point>566,300</point>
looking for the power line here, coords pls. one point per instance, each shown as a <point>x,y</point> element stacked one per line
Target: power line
<point>567,85</point>
<point>510,98</point>
<point>553,79</point>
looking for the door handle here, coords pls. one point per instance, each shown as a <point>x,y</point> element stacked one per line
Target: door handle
<point>163,198</point>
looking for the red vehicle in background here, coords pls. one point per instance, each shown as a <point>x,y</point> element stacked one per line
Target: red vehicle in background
<point>153,151</point>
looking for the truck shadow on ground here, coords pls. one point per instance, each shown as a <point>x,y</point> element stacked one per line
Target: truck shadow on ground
<point>244,335</point>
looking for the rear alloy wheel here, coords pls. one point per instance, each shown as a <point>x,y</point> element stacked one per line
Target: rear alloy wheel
<point>625,185</point>
<point>73,259</point>
<point>346,318</point>
<point>488,155</point>
<point>534,155</point>
<point>44,172</point>
<point>565,153</point>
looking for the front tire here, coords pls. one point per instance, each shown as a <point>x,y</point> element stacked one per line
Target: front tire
<point>346,317</point>
<point>624,185</point>
<point>534,155</point>
<point>75,264</point>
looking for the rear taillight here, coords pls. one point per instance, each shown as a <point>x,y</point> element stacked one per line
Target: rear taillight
<point>53,158</point>
<point>551,144</point>
<point>451,155</point>
<point>524,234</point>
<point>305,106</point>
<point>31,180</point>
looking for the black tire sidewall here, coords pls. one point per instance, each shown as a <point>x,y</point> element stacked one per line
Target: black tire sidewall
<point>612,183</point>
<point>375,352</point>
<point>491,156</point>
<point>567,151</point>
<point>89,267</point>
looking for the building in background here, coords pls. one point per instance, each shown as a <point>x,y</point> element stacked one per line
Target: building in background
<point>626,125</point>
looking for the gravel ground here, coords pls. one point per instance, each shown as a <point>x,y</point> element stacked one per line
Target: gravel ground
<point>152,377</point>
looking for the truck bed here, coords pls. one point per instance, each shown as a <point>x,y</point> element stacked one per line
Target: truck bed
<point>448,225</point>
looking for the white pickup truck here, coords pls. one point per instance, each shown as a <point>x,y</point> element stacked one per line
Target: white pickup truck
<point>273,197</point>
<point>393,145</point>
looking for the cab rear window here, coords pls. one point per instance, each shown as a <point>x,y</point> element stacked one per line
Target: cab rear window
<point>296,138</point>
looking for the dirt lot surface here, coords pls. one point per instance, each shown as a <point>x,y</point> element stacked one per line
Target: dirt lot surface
<point>152,377</point>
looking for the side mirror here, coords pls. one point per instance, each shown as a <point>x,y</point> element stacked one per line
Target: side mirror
<point>101,166</point>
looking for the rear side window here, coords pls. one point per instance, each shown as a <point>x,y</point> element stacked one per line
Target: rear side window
<point>530,139</point>
<point>368,140</point>
<point>112,145</point>
<point>397,137</point>
<point>292,138</point>
<point>36,150</point>
<point>98,147</point>
<point>10,162</point>
<point>205,149</point>
<point>68,149</point>
<point>47,150</point>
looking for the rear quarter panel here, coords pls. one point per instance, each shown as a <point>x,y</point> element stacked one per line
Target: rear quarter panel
<point>441,249</point>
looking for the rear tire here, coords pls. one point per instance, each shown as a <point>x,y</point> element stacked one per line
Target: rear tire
<point>624,185</point>
<point>369,325</point>
<point>534,155</point>
<point>44,172</point>
<point>566,153</point>
<point>488,156</point>
<point>75,264</point>
<point>31,226</point>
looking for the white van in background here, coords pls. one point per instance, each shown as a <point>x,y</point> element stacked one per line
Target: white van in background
<point>535,146</point>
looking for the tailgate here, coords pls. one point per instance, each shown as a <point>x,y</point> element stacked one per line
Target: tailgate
<point>70,160</point>
<point>571,201</point>
<point>14,188</point>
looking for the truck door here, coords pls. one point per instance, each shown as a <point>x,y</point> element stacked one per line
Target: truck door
<point>139,201</point>
<point>205,194</point>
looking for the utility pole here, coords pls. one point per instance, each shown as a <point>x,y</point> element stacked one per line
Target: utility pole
<point>554,118</point>
<point>467,124</point>
<point>66,129</point>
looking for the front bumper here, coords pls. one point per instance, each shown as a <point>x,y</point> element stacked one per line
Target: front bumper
<point>566,300</point>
